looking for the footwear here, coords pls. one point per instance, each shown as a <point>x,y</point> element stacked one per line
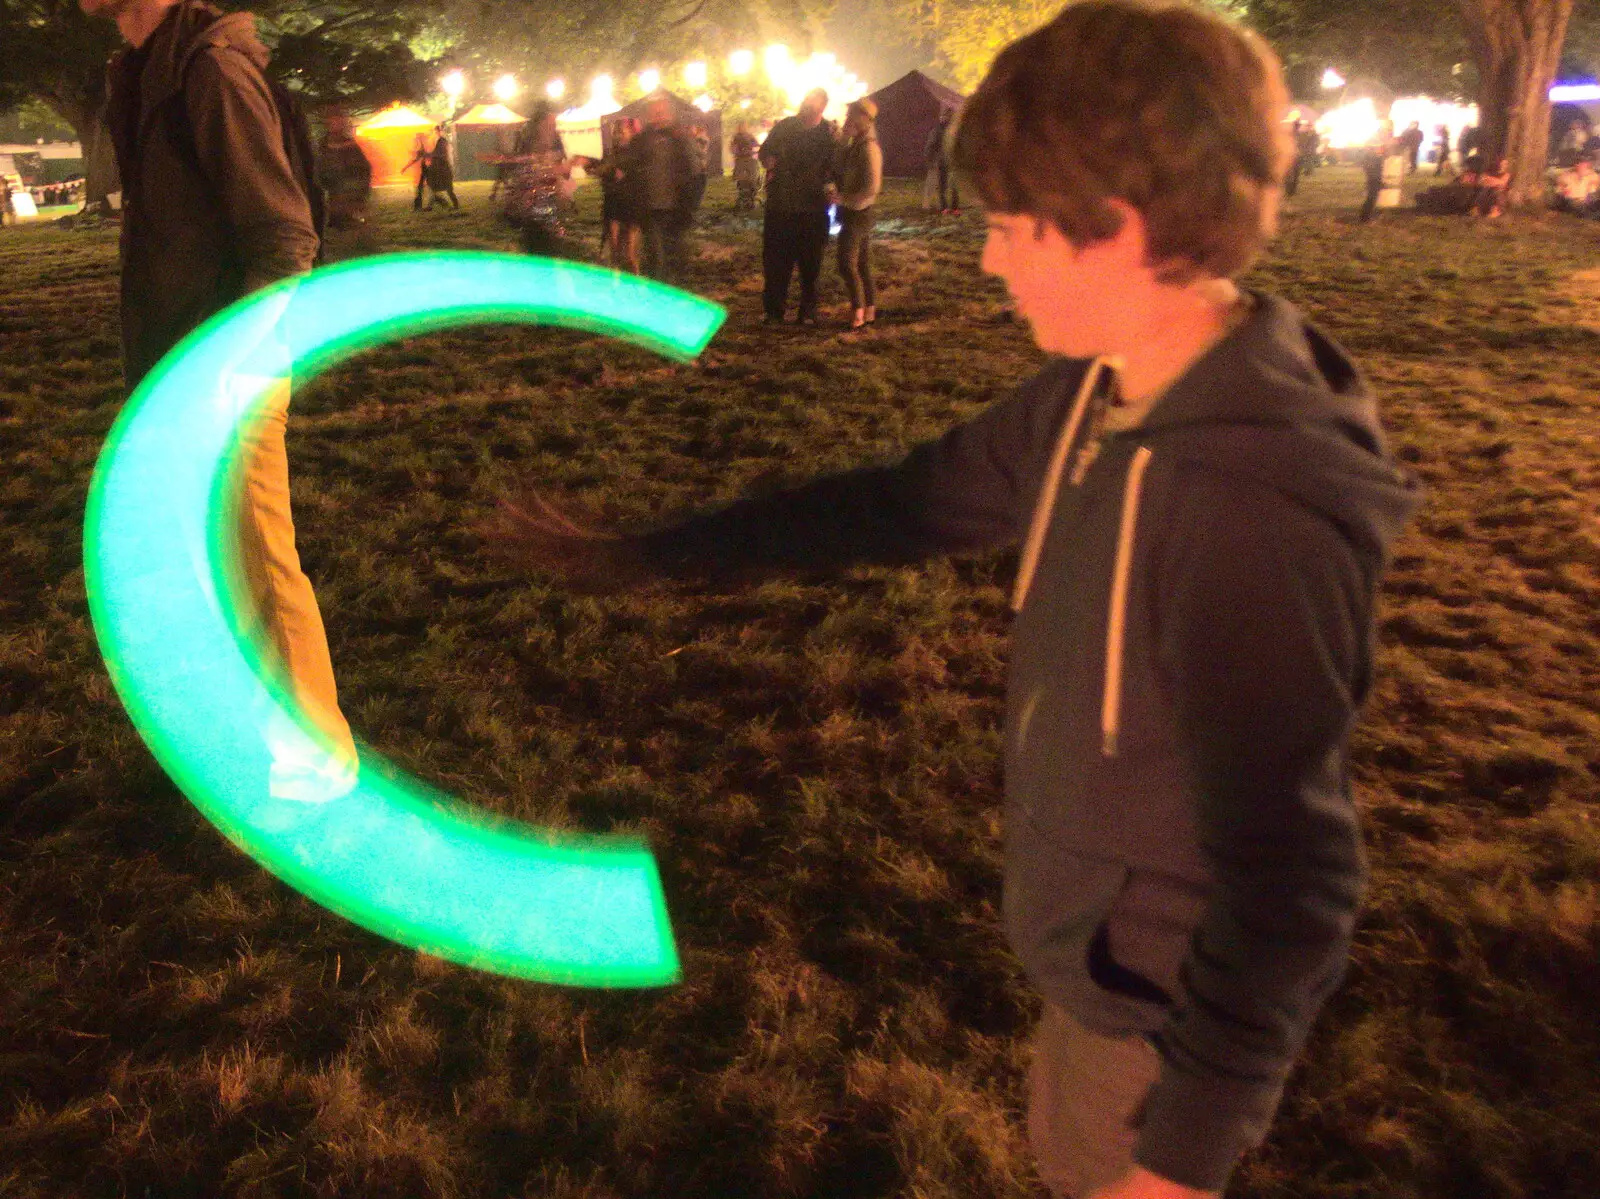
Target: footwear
<point>871,315</point>
<point>768,319</point>
<point>808,318</point>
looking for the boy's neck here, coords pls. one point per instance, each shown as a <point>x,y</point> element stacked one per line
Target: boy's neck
<point>1177,327</point>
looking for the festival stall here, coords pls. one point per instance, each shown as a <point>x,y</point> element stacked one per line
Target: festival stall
<point>909,109</point>
<point>390,141</point>
<point>485,130</point>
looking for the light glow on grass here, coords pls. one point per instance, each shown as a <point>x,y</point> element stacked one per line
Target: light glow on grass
<point>391,854</point>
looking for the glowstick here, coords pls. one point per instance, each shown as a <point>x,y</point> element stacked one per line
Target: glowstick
<point>391,854</point>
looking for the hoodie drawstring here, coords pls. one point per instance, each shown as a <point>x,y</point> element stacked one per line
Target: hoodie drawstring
<point>1052,480</point>
<point>1111,703</point>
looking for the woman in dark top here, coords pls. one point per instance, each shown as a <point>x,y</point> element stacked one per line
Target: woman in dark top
<point>619,200</point>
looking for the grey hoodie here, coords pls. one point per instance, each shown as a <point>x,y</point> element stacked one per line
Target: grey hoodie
<point>212,210</point>
<point>1192,647</point>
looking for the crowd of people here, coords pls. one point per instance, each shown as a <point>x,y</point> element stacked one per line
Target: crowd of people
<point>652,178</point>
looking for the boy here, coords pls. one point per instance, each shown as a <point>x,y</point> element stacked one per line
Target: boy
<point>1204,502</point>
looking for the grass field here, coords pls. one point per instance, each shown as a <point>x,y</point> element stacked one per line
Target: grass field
<point>814,761</point>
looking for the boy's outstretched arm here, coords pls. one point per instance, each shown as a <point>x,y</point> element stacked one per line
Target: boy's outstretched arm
<point>966,492</point>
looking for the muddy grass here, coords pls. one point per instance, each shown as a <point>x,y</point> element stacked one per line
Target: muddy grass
<point>815,762</point>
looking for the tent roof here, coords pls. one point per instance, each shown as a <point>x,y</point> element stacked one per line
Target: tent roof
<point>638,107</point>
<point>916,79</point>
<point>397,116</point>
<point>490,114</point>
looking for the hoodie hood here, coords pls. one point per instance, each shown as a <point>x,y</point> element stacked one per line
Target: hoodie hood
<point>188,29</point>
<point>1278,402</point>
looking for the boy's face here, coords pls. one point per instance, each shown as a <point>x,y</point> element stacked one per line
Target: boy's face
<point>1068,296</point>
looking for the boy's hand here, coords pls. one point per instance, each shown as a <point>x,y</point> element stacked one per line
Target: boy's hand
<point>535,534</point>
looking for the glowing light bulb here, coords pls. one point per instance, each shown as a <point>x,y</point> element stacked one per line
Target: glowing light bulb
<point>703,103</point>
<point>505,87</point>
<point>555,89</point>
<point>649,81</point>
<point>740,63</point>
<point>1332,79</point>
<point>695,74</point>
<point>453,83</point>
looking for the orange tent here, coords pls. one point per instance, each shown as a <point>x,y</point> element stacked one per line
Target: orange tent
<point>390,141</point>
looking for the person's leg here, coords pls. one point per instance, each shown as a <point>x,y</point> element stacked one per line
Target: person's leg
<point>416,201</point>
<point>1371,200</point>
<point>1086,1095</point>
<point>849,265</point>
<point>777,263</point>
<point>864,264</point>
<point>653,248</point>
<point>675,231</point>
<point>812,245</point>
<point>944,187</point>
<point>282,615</point>
<point>451,188</point>
<point>632,236</point>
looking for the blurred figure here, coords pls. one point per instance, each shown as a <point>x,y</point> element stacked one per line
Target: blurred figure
<point>1442,133</point>
<point>938,156</point>
<point>345,174</point>
<point>665,162</point>
<point>620,217</point>
<point>441,168</point>
<point>746,169</point>
<point>798,156</point>
<point>1411,145</point>
<point>1578,189</point>
<point>537,167</point>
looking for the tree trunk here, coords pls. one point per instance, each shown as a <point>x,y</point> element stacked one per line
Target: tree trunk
<point>1517,44</point>
<point>87,119</point>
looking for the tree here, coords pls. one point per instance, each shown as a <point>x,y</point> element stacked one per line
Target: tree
<point>57,55</point>
<point>1503,53</point>
<point>1517,45</point>
<point>352,51</point>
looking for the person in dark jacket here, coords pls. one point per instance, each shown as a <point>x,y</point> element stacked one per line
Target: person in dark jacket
<point>798,157</point>
<point>441,168</point>
<point>1205,503</point>
<point>663,161</point>
<point>212,210</point>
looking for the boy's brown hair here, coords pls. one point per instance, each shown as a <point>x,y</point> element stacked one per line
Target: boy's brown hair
<point>1174,110</point>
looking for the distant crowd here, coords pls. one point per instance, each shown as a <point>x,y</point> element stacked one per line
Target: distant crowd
<point>653,179</point>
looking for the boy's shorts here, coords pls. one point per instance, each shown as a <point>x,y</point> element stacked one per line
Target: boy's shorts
<point>1086,1097</point>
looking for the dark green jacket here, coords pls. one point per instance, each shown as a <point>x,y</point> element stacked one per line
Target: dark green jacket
<point>211,207</point>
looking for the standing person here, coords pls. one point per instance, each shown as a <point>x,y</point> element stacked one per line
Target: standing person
<point>798,156</point>
<point>949,195</point>
<point>1411,145</point>
<point>7,217</point>
<point>860,176</point>
<point>1292,183</point>
<point>664,159</point>
<point>1373,158</point>
<point>1442,133</point>
<point>1205,502</point>
<point>419,159</point>
<point>619,200</point>
<point>213,210</point>
<point>700,152</point>
<point>746,169</point>
<point>535,170</point>
<point>345,174</point>
<point>931,153</point>
<point>441,168</point>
